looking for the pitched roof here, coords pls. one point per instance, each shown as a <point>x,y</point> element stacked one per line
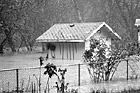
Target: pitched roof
<point>137,23</point>
<point>76,32</point>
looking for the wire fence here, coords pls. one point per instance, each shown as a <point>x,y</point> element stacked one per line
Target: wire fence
<point>27,79</point>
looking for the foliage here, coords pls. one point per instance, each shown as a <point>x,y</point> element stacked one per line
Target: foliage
<point>50,70</point>
<point>124,14</point>
<point>22,21</point>
<point>8,18</point>
<point>103,61</point>
<point>29,25</point>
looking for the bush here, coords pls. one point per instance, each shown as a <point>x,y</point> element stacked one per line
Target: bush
<point>101,59</point>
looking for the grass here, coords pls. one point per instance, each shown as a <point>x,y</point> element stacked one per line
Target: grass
<point>126,90</point>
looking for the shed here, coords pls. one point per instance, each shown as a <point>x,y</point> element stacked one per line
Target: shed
<point>70,40</point>
<point>137,23</point>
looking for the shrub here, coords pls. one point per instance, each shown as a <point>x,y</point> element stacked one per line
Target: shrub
<point>102,61</point>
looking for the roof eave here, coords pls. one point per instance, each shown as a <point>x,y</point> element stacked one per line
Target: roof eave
<point>112,31</point>
<point>94,32</point>
<point>58,40</point>
<point>100,28</point>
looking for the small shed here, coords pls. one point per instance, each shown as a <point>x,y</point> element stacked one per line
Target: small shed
<point>69,41</point>
<point>137,23</point>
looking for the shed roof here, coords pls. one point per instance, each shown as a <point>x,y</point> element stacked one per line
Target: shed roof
<point>76,32</point>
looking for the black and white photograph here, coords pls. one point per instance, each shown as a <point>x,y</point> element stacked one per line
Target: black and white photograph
<point>69,46</point>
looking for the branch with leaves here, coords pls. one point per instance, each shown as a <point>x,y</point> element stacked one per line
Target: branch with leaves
<point>103,62</point>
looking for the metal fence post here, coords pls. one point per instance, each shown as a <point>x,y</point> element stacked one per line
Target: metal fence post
<point>78,74</point>
<point>40,81</point>
<point>127,69</point>
<point>41,63</point>
<point>17,79</point>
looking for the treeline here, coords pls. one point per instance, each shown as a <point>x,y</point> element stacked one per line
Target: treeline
<point>22,21</point>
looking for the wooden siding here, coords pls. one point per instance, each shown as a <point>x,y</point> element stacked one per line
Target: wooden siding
<point>70,51</point>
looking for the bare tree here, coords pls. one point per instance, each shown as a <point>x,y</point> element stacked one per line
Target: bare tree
<point>125,13</point>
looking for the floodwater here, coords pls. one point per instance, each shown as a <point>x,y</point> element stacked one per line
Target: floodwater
<point>10,61</point>
<point>29,60</point>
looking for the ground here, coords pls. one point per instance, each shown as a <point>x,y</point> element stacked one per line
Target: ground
<point>27,60</point>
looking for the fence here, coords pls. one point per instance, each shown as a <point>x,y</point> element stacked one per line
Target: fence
<point>27,79</point>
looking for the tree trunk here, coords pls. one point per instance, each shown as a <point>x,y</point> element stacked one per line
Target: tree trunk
<point>134,35</point>
<point>2,45</point>
<point>43,47</point>
<point>25,42</point>
<point>20,45</point>
<point>11,44</point>
<point>78,14</point>
<point>31,44</point>
<point>26,45</point>
<point>10,41</point>
<point>1,49</point>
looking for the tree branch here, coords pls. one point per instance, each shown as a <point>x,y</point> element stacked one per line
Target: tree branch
<point>77,11</point>
<point>122,14</point>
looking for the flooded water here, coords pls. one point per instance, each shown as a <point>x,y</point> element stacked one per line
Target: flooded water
<point>21,61</point>
<point>29,60</point>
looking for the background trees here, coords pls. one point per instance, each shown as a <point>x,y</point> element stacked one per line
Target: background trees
<point>125,13</point>
<point>8,17</point>
<point>22,21</point>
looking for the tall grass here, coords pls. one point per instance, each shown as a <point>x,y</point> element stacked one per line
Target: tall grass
<point>126,90</point>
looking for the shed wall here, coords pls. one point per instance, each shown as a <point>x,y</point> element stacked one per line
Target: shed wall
<point>70,51</point>
<point>104,34</point>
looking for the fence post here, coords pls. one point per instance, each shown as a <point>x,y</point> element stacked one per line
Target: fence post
<point>17,79</point>
<point>40,81</point>
<point>127,69</point>
<point>78,74</point>
<point>41,63</point>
